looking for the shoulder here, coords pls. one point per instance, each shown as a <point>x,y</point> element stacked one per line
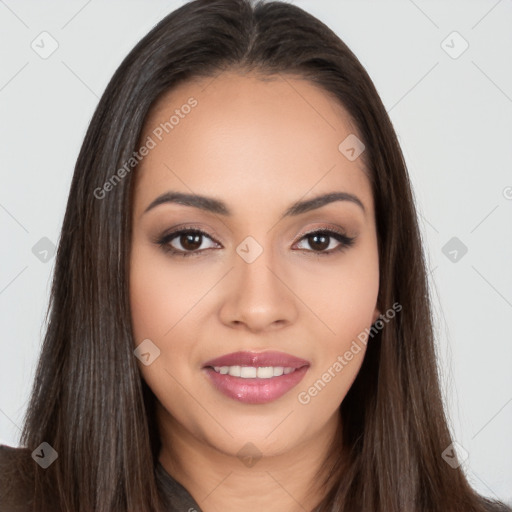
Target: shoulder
<point>15,479</point>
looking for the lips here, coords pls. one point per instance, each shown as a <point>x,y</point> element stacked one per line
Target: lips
<point>257,359</point>
<point>288,372</point>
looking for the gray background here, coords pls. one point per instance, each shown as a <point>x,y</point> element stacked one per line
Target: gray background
<point>454,121</point>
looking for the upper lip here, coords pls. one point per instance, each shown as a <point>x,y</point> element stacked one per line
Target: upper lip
<point>257,359</point>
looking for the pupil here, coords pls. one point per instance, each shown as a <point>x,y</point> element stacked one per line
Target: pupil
<point>320,246</point>
<point>192,241</point>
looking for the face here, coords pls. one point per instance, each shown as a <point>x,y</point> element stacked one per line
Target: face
<point>248,273</point>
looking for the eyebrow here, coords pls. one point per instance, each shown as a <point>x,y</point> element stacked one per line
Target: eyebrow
<point>213,205</point>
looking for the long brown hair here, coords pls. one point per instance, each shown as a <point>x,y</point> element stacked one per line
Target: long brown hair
<point>89,401</point>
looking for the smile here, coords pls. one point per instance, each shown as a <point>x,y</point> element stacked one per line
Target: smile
<point>250,372</point>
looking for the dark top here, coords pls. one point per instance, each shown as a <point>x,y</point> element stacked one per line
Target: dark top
<point>15,490</point>
<point>177,498</point>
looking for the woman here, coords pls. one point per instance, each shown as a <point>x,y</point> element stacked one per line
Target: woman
<point>288,363</point>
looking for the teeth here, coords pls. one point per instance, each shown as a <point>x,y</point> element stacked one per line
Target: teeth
<point>251,372</point>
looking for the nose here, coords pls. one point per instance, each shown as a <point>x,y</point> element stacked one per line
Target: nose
<point>259,296</point>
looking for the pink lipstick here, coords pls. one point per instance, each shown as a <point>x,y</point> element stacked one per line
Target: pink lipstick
<point>256,377</point>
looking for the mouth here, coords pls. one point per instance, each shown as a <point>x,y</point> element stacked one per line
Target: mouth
<point>255,378</point>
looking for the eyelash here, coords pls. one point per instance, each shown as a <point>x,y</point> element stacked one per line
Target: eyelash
<point>164,241</point>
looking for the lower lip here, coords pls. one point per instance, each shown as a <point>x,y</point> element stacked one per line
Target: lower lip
<point>255,391</point>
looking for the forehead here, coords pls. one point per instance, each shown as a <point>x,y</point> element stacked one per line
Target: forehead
<point>246,136</point>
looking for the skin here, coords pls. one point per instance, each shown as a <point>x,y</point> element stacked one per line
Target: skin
<point>259,146</point>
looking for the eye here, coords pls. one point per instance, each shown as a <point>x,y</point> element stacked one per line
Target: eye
<point>191,241</point>
<point>322,239</point>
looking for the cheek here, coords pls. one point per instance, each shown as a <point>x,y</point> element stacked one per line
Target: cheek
<point>161,293</point>
<point>342,293</point>
<point>344,298</point>
<point>157,303</point>
<point>149,300</point>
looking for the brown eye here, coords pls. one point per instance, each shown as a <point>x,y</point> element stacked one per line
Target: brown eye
<point>190,242</point>
<point>320,240</point>
<point>186,242</point>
